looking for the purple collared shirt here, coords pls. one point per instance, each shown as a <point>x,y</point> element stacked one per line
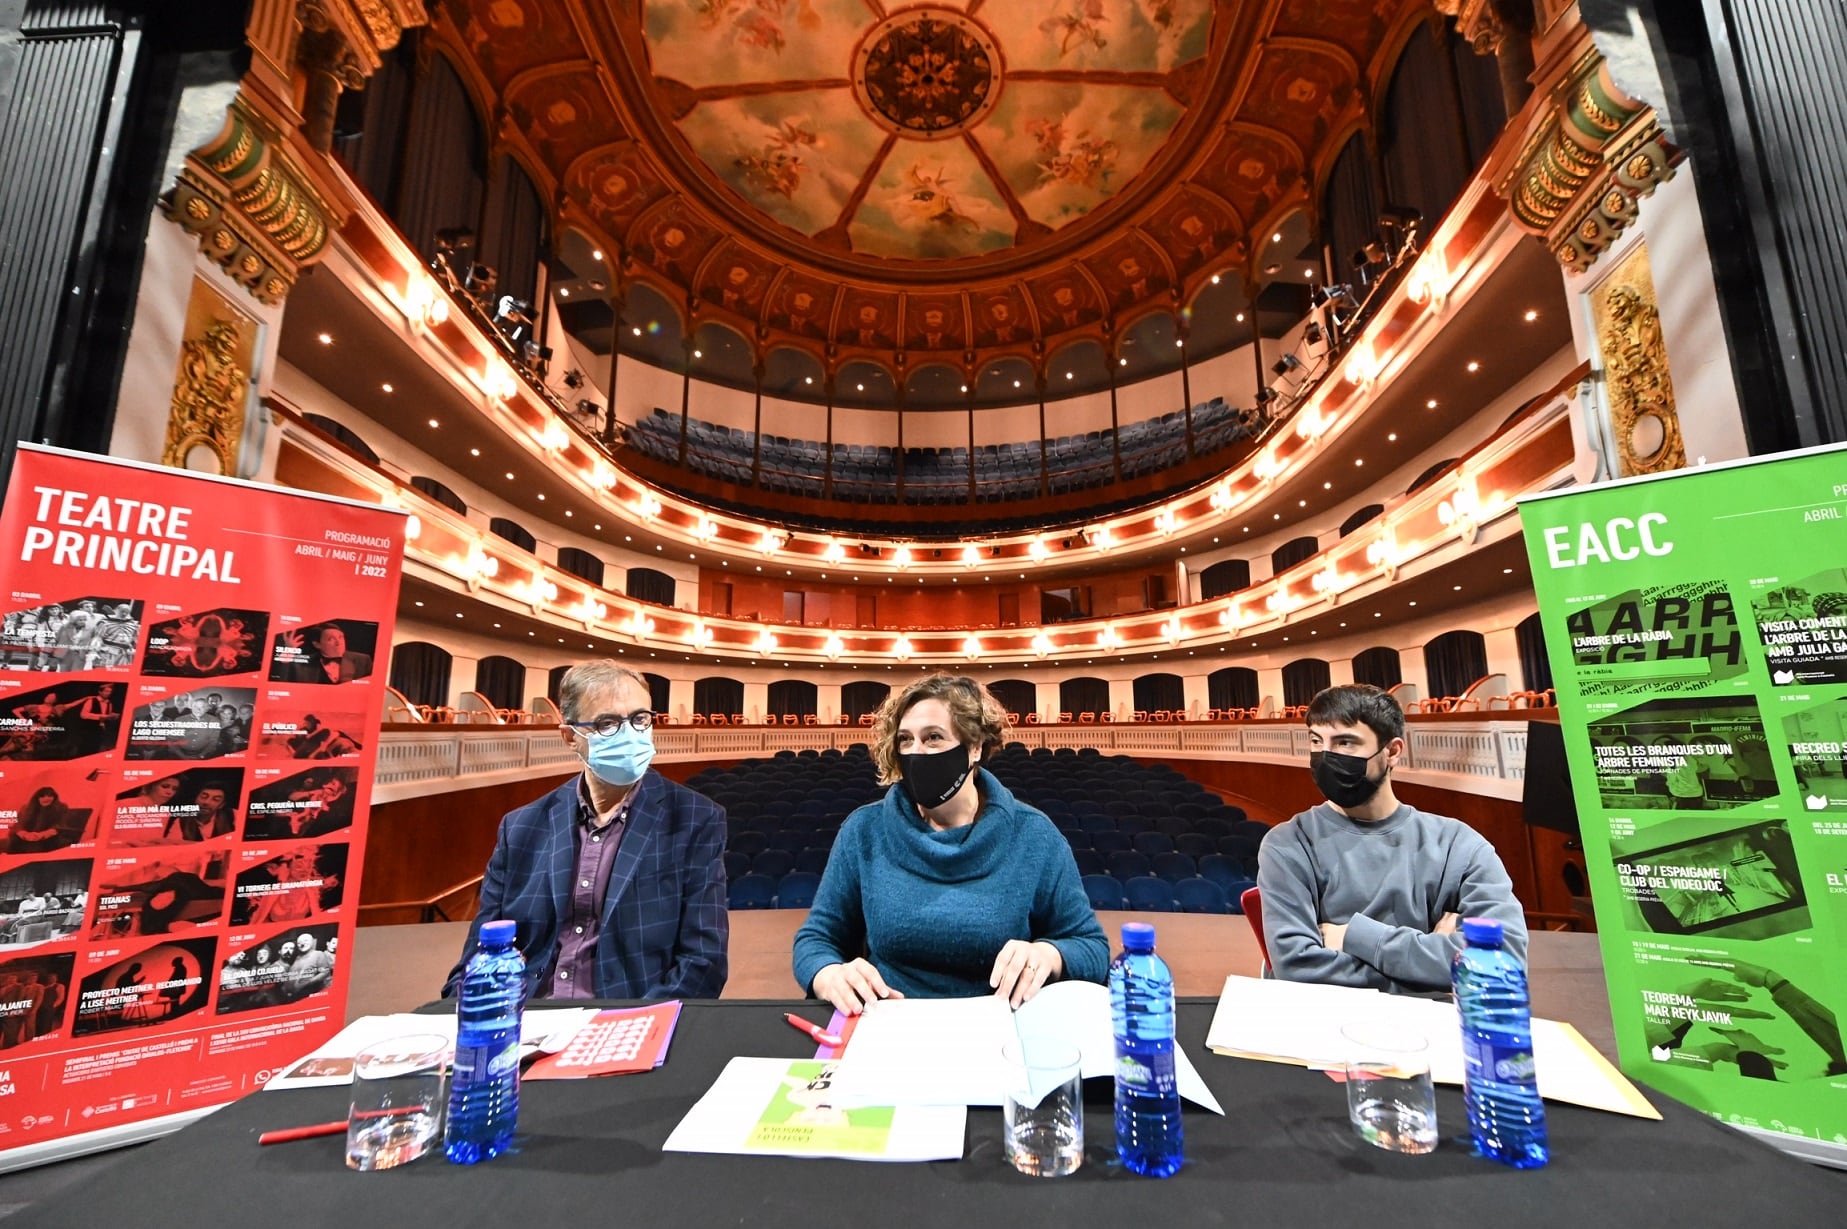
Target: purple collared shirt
<point>574,971</point>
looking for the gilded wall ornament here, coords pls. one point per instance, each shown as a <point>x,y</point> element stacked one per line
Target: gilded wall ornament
<point>205,424</point>
<point>1637,382</point>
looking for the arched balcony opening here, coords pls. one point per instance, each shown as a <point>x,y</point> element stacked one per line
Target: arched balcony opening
<point>1233,688</point>
<point>1453,661</point>
<point>1378,667</point>
<point>718,697</point>
<point>502,681</point>
<point>862,698</point>
<point>1160,693</point>
<point>1303,680</point>
<point>1084,697</point>
<point>648,585</point>
<point>1017,696</point>
<point>793,698</point>
<point>420,672</point>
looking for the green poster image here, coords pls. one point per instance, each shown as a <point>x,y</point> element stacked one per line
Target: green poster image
<point>1816,739</point>
<point>1674,639</point>
<point>799,1118</point>
<point>1683,755</point>
<point>1684,878</point>
<point>1803,624</point>
<point>1697,626</point>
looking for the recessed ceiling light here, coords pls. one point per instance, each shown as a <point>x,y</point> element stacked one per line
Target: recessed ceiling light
<point>1276,516</point>
<point>458,614</point>
<point>1413,603</point>
<point>386,387</point>
<point>808,379</point>
<point>860,387</point>
<point>1359,460</point>
<point>1179,341</point>
<point>419,603</point>
<point>509,475</point>
<point>1327,486</point>
<point>1067,375</point>
<point>698,353</point>
<point>1215,281</point>
<point>597,255</point>
<point>541,494</point>
<point>326,339</point>
<point>1507,571</point>
<point>1457,588</point>
<point>474,452</point>
<point>1531,316</point>
<point>1474,366</point>
<point>1273,268</point>
<point>564,292</point>
<point>1122,362</point>
<point>568,512</point>
<point>1301,503</point>
<point>1431,404</point>
<point>1016,383</point>
<point>1240,317</point>
<point>636,331</point>
<point>1277,237</point>
<point>1392,438</point>
<point>496,625</point>
<point>599,526</point>
<point>1308,273</point>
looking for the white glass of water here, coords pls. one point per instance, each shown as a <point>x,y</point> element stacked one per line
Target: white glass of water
<point>1389,1095</point>
<point>1044,1109</point>
<point>398,1098</point>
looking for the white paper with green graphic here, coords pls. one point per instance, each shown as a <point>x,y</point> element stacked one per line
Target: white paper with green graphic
<point>1697,628</point>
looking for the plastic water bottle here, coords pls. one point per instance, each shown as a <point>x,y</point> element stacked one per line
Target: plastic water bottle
<point>484,1084</point>
<point>1141,996</point>
<point>1507,1119</point>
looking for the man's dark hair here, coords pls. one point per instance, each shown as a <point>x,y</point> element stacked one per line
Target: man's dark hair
<point>1358,704</point>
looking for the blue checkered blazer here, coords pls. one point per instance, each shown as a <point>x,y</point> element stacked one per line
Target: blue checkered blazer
<point>664,925</point>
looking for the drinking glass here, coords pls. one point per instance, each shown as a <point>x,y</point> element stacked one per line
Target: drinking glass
<point>1389,1095</point>
<point>397,1101</point>
<point>1044,1109</point>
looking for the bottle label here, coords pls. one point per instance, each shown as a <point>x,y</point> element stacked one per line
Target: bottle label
<point>1149,1075</point>
<point>486,1062</point>
<point>1503,1064</point>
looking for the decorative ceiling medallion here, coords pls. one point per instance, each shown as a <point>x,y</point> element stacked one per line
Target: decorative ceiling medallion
<point>927,73</point>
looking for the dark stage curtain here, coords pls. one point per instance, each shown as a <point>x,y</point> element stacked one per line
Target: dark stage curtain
<point>502,680</point>
<point>513,532</point>
<point>1158,692</point>
<point>1453,661</point>
<point>1361,517</point>
<point>648,585</point>
<point>1083,695</point>
<point>865,696</point>
<point>1378,667</point>
<point>1350,205</point>
<point>444,173</point>
<point>658,690</point>
<point>554,680</point>
<point>1225,576</point>
<point>1421,137</point>
<point>792,698</point>
<point>1303,679</point>
<point>1233,687</point>
<point>441,494</point>
<point>421,672</point>
<point>1291,553</point>
<point>1016,696</point>
<point>718,695</point>
<point>1535,665</point>
<point>581,564</point>
<point>513,230</point>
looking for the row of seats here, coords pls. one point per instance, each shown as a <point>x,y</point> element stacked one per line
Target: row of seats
<point>1148,894</point>
<point>867,473</point>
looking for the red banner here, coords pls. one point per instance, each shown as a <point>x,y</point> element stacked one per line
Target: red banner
<point>191,677</point>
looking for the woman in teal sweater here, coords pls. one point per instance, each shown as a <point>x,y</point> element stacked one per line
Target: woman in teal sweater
<point>950,886</point>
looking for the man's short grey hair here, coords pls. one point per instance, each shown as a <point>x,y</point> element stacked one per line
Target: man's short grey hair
<point>590,679</point>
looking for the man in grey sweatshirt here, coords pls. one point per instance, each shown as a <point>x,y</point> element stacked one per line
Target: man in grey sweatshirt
<point>1364,890</point>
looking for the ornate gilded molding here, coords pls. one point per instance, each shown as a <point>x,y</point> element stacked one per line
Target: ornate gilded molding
<point>1478,22</point>
<point>1639,387</point>
<point>1593,154</point>
<point>251,205</point>
<point>368,28</point>
<point>205,425</point>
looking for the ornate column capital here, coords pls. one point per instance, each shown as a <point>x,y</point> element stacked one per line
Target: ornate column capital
<point>252,206</point>
<point>368,28</point>
<point>1591,153</point>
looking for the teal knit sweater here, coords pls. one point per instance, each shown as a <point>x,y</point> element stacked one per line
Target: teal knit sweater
<point>932,909</point>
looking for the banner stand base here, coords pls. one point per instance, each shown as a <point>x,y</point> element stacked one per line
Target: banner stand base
<point>1814,1151</point>
<point>71,1147</point>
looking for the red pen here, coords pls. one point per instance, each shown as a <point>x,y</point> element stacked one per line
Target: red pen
<point>814,1030</point>
<point>293,1133</point>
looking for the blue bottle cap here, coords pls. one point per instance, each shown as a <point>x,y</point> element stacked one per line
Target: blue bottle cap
<point>1482,931</point>
<point>499,934</point>
<point>1137,937</point>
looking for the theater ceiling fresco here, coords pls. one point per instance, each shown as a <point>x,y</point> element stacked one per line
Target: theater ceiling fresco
<point>938,178</point>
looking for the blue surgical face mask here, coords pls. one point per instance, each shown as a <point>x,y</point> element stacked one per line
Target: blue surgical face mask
<point>619,758</point>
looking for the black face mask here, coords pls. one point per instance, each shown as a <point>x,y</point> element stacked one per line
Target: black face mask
<point>932,780</point>
<point>1342,779</point>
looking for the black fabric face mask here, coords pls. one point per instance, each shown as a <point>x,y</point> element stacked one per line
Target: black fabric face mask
<point>1342,779</point>
<point>932,780</point>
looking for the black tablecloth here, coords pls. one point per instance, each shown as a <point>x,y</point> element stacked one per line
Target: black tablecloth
<point>589,1153</point>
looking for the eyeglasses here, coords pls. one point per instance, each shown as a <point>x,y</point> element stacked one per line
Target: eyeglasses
<point>609,723</point>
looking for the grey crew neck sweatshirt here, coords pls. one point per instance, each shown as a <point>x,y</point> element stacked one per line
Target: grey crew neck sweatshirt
<point>1389,881</point>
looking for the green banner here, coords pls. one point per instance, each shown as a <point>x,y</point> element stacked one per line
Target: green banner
<point>1696,624</point>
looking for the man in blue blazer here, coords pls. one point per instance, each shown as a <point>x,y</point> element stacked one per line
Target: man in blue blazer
<point>617,877</point>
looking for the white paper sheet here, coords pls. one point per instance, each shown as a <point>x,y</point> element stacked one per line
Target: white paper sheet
<point>948,1051</point>
<point>779,1107</point>
<point>1300,1022</point>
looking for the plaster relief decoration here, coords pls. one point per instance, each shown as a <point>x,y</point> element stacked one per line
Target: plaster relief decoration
<point>1637,383</point>
<point>205,426</point>
<point>905,149</point>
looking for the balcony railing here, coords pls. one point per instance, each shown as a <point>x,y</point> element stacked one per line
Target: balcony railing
<point>1485,757</point>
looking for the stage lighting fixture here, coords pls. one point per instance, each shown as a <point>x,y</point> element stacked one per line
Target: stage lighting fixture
<point>573,379</point>
<point>1403,217</point>
<point>1312,334</point>
<point>1286,364</point>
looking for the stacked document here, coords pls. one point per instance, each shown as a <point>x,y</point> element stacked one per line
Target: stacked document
<point>948,1051</point>
<point>776,1107</point>
<point>541,1032</point>
<point>1300,1022</point>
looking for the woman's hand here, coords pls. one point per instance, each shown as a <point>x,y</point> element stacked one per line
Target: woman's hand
<point>851,986</point>
<point>1022,968</point>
